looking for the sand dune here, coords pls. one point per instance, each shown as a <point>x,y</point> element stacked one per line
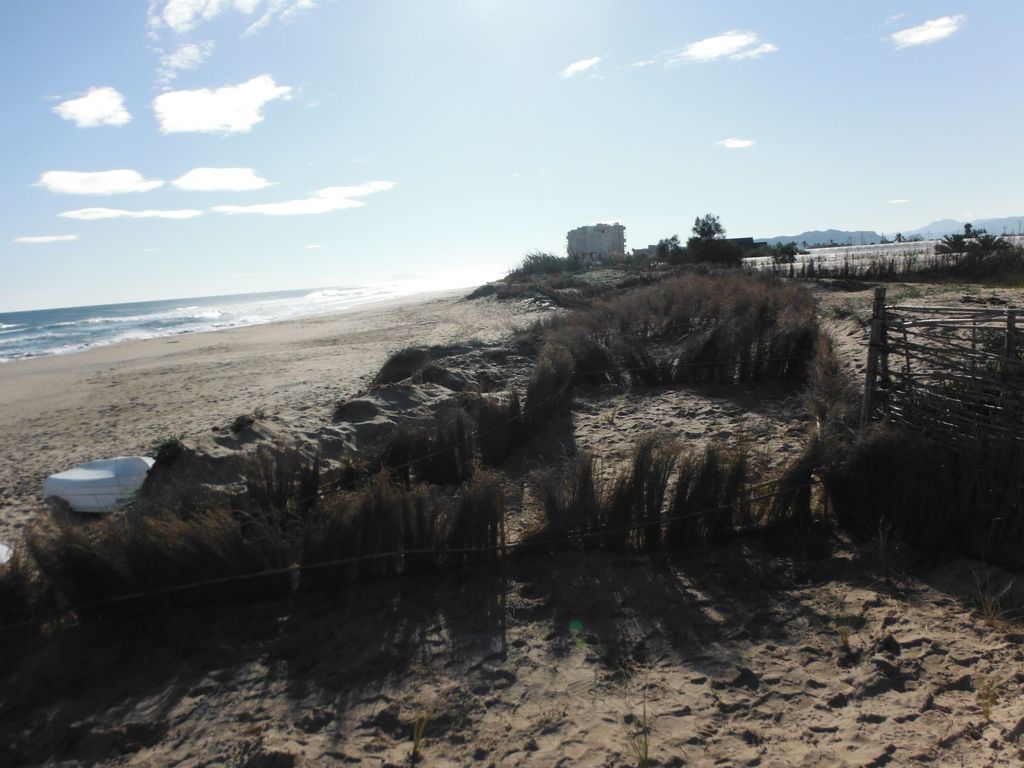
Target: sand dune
<point>759,653</point>
<point>58,411</point>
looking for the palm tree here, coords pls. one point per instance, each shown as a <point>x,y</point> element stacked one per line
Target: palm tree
<point>951,244</point>
<point>986,243</point>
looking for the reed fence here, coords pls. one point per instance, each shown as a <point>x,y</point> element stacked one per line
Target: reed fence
<point>952,374</point>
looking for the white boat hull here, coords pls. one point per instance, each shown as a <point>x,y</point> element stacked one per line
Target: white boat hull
<point>99,486</point>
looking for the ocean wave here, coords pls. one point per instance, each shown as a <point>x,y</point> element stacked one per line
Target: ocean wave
<point>75,330</point>
<point>330,293</point>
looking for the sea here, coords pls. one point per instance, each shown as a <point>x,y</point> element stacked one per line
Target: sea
<point>43,332</point>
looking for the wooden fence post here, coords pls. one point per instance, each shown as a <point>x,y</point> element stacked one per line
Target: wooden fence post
<point>874,349</point>
<point>1010,349</point>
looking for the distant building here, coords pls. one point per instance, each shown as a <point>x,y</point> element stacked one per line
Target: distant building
<point>596,243</point>
<point>746,243</point>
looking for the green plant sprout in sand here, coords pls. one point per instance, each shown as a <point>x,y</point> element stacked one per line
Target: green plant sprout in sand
<point>988,694</point>
<point>419,729</point>
<point>638,732</point>
<point>989,598</point>
<point>576,630</point>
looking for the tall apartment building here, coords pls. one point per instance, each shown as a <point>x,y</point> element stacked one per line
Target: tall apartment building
<point>597,242</point>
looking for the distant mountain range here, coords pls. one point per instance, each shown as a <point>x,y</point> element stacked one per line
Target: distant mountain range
<point>825,236</point>
<point>1011,225</point>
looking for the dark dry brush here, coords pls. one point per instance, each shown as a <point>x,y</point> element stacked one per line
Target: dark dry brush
<point>540,263</point>
<point>98,566</point>
<point>393,514</point>
<point>669,495</point>
<point>386,530</point>
<point>22,595</point>
<point>728,327</point>
<point>931,496</point>
<point>440,451</point>
<point>393,523</point>
<point>282,485</point>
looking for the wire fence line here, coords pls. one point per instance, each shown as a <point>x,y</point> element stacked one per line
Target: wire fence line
<point>346,485</point>
<point>501,548</point>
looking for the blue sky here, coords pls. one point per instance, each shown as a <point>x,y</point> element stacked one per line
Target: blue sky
<point>197,147</point>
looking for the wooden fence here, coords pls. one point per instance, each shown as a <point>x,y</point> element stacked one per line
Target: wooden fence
<point>954,374</point>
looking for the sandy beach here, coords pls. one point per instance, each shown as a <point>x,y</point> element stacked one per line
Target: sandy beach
<point>751,653</point>
<point>58,411</point>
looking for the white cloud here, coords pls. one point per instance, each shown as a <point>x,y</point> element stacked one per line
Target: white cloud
<point>732,45</point>
<point>736,143</point>
<point>45,239</point>
<point>281,9</point>
<point>185,57</point>
<point>221,180</point>
<point>184,15</point>
<point>643,63</point>
<point>96,214</point>
<point>229,109</point>
<point>898,201</point>
<point>313,247</point>
<point>99,106</point>
<point>580,66</point>
<point>930,32</point>
<point>321,201</point>
<point>756,52</point>
<point>98,183</point>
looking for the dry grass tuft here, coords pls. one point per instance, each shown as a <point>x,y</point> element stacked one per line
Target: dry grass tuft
<point>21,594</point>
<point>724,328</point>
<point>106,562</point>
<point>548,388</point>
<point>499,425</point>
<point>831,395</point>
<point>932,497</point>
<point>574,507</point>
<point>440,452</point>
<point>283,485</point>
<point>710,498</point>
<point>478,522</point>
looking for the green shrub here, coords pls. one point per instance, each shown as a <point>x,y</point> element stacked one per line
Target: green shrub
<point>539,263</point>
